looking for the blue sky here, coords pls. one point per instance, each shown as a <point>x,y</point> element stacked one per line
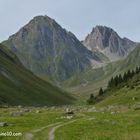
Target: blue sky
<point>77,16</point>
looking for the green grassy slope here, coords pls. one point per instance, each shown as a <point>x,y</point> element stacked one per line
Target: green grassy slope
<point>127,94</point>
<point>123,126</point>
<point>18,86</point>
<point>91,80</point>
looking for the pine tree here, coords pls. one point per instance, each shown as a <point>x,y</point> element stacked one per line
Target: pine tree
<point>120,80</point>
<point>124,77</point>
<point>116,81</point>
<point>101,92</point>
<point>91,99</point>
<point>111,83</point>
<point>137,70</point>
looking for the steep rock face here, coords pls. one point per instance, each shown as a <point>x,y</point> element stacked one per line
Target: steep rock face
<point>107,41</point>
<point>45,48</point>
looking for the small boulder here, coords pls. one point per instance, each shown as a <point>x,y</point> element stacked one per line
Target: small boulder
<point>27,110</point>
<point>113,113</point>
<point>92,109</point>
<point>38,111</point>
<point>134,98</point>
<point>3,124</point>
<point>19,106</point>
<point>69,112</point>
<point>137,108</point>
<point>16,114</point>
<point>69,117</point>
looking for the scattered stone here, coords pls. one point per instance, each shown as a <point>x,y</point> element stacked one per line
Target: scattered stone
<point>92,109</point>
<point>134,98</point>
<point>62,117</point>
<point>53,107</point>
<point>136,107</point>
<point>16,114</point>
<point>69,112</point>
<point>69,117</point>
<point>113,113</point>
<point>38,111</point>
<point>19,106</point>
<point>3,124</point>
<point>67,109</point>
<point>26,110</point>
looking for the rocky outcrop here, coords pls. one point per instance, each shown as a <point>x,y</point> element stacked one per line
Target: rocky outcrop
<point>107,41</point>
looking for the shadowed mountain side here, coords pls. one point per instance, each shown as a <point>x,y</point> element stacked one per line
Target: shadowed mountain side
<point>19,86</point>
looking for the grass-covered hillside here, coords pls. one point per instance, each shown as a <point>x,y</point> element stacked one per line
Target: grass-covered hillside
<point>125,91</point>
<point>19,86</point>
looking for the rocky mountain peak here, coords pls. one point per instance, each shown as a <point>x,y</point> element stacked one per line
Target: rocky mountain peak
<point>107,41</point>
<point>43,20</point>
<point>47,49</point>
<point>102,29</point>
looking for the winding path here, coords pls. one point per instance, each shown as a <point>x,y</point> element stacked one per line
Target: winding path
<point>30,135</point>
<point>51,133</point>
<point>53,127</point>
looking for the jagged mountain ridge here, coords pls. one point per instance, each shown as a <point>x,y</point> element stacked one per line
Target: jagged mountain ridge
<point>48,50</point>
<point>107,41</point>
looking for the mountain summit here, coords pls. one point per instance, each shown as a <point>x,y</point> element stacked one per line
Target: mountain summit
<point>48,50</point>
<point>107,41</point>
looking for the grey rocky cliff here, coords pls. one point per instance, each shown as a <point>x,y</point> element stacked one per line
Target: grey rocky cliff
<point>107,41</point>
<point>48,50</point>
